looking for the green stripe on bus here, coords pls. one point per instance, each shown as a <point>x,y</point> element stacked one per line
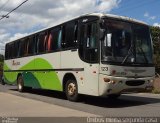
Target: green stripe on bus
<point>45,80</point>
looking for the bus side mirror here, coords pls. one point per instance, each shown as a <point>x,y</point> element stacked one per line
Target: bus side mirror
<point>109,39</point>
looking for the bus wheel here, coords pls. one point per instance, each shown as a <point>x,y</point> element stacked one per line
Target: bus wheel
<point>71,90</point>
<point>3,83</point>
<point>20,83</point>
<point>114,96</point>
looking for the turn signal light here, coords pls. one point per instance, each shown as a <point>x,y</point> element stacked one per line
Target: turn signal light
<point>114,72</point>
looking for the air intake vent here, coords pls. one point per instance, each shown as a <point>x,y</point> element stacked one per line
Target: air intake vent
<point>134,83</point>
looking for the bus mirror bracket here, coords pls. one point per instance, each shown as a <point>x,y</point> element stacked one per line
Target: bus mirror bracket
<point>102,34</point>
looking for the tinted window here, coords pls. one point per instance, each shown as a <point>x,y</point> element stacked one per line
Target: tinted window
<point>31,45</point>
<point>69,36</point>
<point>63,44</point>
<point>10,51</point>
<point>54,39</point>
<point>92,36</point>
<point>7,51</point>
<point>16,49</point>
<point>26,47</point>
<point>22,48</point>
<point>88,49</point>
<point>41,42</point>
<point>82,39</point>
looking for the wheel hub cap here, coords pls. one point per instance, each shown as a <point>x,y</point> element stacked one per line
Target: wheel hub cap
<point>71,89</point>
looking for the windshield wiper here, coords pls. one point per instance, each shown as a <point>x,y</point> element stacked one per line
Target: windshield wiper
<point>130,51</point>
<point>146,60</point>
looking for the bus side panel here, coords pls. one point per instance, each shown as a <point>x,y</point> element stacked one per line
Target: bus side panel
<point>91,73</point>
<point>17,66</point>
<point>71,63</point>
<point>46,71</point>
<point>27,71</point>
<point>10,77</point>
<point>85,74</point>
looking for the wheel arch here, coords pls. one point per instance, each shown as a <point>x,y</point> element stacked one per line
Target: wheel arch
<point>19,74</point>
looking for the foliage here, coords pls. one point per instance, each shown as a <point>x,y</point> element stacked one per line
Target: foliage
<point>155,33</point>
<point>1,58</point>
<point>156,91</point>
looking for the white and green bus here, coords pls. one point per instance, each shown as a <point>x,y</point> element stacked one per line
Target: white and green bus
<point>93,54</point>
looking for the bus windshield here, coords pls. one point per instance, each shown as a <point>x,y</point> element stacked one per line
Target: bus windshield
<point>126,42</point>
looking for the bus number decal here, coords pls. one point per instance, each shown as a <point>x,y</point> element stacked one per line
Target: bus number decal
<point>104,68</point>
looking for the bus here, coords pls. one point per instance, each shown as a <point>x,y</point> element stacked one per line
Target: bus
<point>93,54</point>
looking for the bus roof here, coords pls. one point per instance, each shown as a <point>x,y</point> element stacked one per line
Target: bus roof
<point>117,17</point>
<point>100,15</point>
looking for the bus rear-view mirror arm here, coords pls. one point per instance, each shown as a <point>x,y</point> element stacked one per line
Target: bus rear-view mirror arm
<point>102,34</point>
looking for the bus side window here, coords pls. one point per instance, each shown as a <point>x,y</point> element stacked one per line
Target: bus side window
<point>37,43</point>
<point>59,38</point>
<point>63,42</point>
<point>34,43</point>
<point>56,38</point>
<point>41,44</point>
<point>82,37</point>
<point>26,44</point>
<point>22,47</point>
<point>16,49</point>
<point>11,50</point>
<point>7,51</point>
<point>69,35</point>
<point>45,41</point>
<point>31,45</point>
<point>49,41</point>
<point>76,34</point>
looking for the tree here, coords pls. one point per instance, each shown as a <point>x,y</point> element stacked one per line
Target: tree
<point>1,58</point>
<point>155,33</point>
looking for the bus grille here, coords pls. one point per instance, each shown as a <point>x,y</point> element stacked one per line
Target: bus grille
<point>135,83</point>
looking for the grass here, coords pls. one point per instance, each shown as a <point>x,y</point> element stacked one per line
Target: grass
<point>156,91</point>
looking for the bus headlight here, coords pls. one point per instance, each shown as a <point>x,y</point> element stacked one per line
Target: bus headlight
<point>151,80</point>
<point>109,81</point>
<point>106,80</point>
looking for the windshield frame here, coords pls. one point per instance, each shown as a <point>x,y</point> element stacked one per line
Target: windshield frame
<point>132,46</point>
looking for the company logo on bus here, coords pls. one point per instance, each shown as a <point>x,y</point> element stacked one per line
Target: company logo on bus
<point>85,20</point>
<point>14,63</point>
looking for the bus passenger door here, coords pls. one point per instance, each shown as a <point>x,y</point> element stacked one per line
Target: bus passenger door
<point>88,52</point>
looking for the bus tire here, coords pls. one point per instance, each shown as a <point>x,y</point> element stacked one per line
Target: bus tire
<point>114,96</point>
<point>3,83</point>
<point>20,84</point>
<point>71,90</point>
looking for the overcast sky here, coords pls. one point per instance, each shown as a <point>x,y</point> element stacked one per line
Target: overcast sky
<point>38,14</point>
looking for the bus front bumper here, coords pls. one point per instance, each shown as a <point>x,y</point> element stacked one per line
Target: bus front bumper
<point>118,85</point>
